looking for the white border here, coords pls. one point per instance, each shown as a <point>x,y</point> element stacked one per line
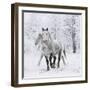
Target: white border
<point>22,81</point>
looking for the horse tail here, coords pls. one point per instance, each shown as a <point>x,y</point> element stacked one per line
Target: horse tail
<point>63,50</point>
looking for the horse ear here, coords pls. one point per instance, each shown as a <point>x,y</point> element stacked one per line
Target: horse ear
<point>47,29</point>
<point>42,29</point>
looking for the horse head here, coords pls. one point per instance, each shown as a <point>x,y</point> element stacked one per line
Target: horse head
<point>38,39</point>
<point>45,34</point>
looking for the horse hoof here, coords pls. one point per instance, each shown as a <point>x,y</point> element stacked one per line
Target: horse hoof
<point>48,69</point>
<point>53,66</point>
<point>58,66</point>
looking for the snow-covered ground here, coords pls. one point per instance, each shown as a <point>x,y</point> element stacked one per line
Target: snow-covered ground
<point>73,68</point>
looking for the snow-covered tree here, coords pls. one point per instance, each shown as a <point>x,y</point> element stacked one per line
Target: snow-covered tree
<point>71,27</point>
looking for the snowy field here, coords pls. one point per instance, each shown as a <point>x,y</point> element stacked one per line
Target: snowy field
<point>73,67</point>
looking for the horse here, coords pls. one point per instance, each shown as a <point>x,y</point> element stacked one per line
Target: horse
<point>49,49</point>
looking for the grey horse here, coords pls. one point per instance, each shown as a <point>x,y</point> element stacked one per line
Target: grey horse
<point>49,49</point>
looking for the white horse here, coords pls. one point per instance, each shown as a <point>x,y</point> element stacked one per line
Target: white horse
<point>50,48</point>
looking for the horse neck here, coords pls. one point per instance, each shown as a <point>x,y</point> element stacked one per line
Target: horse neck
<point>50,38</point>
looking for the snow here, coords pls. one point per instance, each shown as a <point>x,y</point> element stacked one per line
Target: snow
<point>72,68</point>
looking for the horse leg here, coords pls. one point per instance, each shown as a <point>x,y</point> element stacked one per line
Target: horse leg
<point>63,60</point>
<point>64,53</point>
<point>40,60</point>
<point>50,59</point>
<point>47,63</point>
<point>59,58</point>
<point>53,64</point>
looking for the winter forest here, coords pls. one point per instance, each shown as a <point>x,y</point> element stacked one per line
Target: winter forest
<point>65,28</point>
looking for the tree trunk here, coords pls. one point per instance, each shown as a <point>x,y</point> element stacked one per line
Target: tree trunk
<point>73,42</point>
<point>74,47</point>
